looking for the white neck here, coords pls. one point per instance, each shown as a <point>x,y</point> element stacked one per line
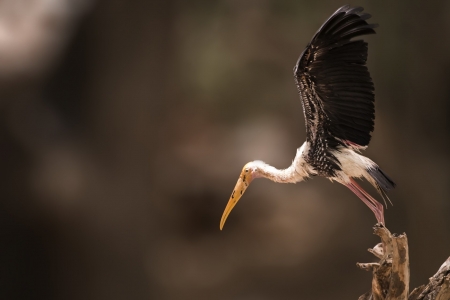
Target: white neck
<point>294,173</point>
<point>288,175</point>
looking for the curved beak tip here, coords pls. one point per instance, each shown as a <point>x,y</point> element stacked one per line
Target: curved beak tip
<point>224,217</point>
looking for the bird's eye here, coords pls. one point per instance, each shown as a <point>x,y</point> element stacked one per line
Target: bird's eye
<point>246,170</point>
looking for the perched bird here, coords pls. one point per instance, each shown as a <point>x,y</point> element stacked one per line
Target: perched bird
<point>337,96</point>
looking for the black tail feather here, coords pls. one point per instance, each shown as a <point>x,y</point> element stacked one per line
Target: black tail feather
<point>383,181</point>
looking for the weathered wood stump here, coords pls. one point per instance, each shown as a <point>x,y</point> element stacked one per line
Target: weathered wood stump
<point>390,279</point>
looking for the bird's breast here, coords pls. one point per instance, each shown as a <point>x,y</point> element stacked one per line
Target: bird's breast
<point>302,167</point>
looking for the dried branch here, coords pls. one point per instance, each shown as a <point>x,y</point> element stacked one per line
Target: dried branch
<point>438,288</point>
<point>390,279</point>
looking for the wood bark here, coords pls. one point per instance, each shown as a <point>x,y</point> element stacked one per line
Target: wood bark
<point>390,279</point>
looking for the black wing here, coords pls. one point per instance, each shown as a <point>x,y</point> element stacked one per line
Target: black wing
<point>335,86</point>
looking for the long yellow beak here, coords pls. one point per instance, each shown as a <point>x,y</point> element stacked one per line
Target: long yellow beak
<point>241,185</point>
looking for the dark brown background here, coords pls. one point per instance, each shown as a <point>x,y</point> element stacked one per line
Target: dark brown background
<point>124,126</point>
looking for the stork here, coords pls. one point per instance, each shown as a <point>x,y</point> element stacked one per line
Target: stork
<point>337,96</point>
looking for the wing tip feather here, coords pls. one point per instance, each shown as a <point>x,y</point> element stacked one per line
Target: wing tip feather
<point>332,52</point>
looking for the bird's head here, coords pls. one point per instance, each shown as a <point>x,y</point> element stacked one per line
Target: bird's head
<point>249,172</point>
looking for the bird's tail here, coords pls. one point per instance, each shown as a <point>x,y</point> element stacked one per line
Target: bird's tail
<point>380,181</point>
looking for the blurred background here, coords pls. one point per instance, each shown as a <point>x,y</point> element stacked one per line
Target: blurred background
<point>124,126</point>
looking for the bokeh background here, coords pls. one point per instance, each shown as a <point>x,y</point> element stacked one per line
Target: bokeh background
<point>124,126</point>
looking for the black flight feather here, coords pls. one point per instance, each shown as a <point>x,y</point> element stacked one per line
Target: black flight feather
<point>336,89</point>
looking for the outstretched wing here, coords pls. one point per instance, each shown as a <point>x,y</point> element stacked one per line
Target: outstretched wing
<point>335,86</point>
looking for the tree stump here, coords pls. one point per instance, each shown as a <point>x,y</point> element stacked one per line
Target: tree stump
<point>390,279</point>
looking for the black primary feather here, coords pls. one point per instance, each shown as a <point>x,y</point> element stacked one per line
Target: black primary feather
<point>336,89</point>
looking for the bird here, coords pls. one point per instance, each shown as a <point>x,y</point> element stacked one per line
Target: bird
<point>337,96</point>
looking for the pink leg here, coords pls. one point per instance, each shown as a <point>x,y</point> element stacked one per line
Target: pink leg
<point>373,204</point>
